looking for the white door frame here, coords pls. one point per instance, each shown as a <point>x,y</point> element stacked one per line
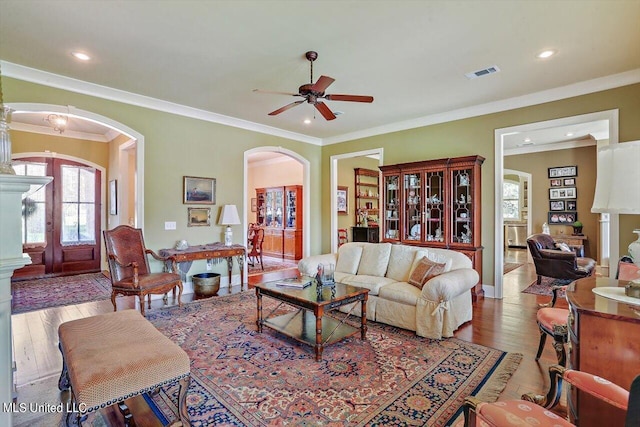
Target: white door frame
<point>496,291</point>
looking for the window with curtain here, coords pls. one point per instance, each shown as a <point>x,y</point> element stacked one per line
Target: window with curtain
<point>511,200</point>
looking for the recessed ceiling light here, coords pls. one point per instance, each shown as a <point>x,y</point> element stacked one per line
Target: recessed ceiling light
<point>307,121</point>
<point>81,56</point>
<point>546,54</point>
<point>569,134</point>
<point>527,140</point>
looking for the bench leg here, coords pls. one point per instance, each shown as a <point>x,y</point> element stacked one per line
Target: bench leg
<point>183,410</point>
<point>63,381</point>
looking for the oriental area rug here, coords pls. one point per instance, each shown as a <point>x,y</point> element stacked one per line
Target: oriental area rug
<point>544,288</point>
<point>242,377</point>
<point>270,265</point>
<point>31,295</point>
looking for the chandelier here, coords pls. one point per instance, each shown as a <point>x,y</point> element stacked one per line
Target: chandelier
<point>58,121</point>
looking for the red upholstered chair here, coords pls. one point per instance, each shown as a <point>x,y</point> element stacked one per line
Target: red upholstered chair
<point>129,267</point>
<point>342,236</point>
<point>534,410</point>
<point>627,270</point>
<point>553,322</point>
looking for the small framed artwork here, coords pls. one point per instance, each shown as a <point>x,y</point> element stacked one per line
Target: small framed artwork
<point>254,205</point>
<point>556,205</point>
<point>199,191</point>
<point>199,217</point>
<point>571,205</point>
<point>562,193</point>
<point>569,182</point>
<point>556,183</point>
<point>342,198</point>
<point>559,172</point>
<point>563,218</point>
<point>113,197</point>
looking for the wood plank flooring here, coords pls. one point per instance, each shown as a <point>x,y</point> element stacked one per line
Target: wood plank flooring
<point>508,324</point>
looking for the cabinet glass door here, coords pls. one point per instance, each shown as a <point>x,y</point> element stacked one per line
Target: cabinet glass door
<point>462,206</point>
<point>412,213</point>
<point>391,211</point>
<point>273,205</point>
<point>290,197</point>
<point>434,206</point>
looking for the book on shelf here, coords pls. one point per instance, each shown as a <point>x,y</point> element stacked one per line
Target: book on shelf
<point>298,282</point>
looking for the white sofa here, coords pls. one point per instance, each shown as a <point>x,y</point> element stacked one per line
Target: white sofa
<point>436,311</point>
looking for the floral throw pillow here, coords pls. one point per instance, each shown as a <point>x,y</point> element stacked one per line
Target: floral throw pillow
<point>425,270</point>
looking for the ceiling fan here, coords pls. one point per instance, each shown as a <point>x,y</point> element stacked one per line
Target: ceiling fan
<point>314,92</point>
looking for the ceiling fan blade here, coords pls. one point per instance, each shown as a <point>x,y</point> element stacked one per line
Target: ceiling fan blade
<point>325,111</point>
<point>322,84</point>
<point>286,107</point>
<point>275,92</point>
<point>352,98</point>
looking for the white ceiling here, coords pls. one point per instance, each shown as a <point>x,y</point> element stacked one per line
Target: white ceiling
<point>411,56</point>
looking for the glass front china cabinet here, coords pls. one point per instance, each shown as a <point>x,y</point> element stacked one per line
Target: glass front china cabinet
<point>435,203</point>
<point>279,212</point>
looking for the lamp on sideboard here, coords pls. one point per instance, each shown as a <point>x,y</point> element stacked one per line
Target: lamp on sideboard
<point>618,185</point>
<point>229,217</point>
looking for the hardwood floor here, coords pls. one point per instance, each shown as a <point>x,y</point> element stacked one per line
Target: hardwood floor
<point>508,324</point>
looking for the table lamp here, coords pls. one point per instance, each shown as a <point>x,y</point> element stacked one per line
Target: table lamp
<point>618,185</point>
<point>229,217</point>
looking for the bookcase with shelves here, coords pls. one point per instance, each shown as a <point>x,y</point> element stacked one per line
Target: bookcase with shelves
<point>367,205</point>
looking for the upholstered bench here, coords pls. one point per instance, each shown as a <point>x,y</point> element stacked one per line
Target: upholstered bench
<point>111,357</point>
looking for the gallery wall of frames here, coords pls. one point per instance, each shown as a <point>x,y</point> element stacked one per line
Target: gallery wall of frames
<point>563,195</point>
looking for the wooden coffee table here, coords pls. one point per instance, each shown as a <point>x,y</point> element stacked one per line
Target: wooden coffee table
<point>312,323</point>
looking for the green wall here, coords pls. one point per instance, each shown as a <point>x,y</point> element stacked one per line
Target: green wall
<point>176,146</point>
<point>476,136</point>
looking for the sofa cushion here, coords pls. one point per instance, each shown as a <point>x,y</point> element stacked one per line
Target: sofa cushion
<point>435,257</point>
<point>373,283</point>
<point>400,262</point>
<point>425,270</point>
<point>349,258</point>
<point>375,258</point>
<point>401,292</point>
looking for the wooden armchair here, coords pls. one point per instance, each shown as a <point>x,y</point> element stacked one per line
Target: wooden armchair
<point>534,409</point>
<point>129,267</point>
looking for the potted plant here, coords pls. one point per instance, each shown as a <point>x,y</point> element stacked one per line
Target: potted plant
<point>577,228</point>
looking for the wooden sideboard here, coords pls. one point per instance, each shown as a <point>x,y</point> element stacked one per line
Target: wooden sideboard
<point>604,338</point>
<point>213,251</point>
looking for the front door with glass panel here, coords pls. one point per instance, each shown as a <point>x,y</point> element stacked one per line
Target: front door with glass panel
<point>61,222</point>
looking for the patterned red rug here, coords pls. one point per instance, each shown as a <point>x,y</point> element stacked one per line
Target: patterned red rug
<point>544,288</point>
<point>31,295</point>
<point>270,265</point>
<point>241,377</point>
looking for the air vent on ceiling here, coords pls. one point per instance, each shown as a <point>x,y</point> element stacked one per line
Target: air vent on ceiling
<point>484,72</point>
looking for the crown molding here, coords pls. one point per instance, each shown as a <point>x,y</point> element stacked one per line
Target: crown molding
<point>45,78</point>
<point>74,85</point>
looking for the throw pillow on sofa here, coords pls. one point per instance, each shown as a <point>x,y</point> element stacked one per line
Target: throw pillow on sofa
<point>349,259</point>
<point>425,270</point>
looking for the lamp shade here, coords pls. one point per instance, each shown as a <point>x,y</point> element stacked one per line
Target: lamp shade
<point>618,180</point>
<point>229,215</point>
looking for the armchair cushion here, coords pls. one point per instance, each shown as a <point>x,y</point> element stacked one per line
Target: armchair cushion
<point>518,413</point>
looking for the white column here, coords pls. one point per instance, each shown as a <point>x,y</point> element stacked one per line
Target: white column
<point>12,188</point>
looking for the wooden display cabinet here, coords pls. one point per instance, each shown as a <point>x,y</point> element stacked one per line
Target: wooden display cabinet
<point>435,203</point>
<point>279,212</point>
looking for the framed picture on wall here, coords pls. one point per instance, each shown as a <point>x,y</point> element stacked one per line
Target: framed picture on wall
<point>342,199</point>
<point>562,193</point>
<point>564,218</point>
<point>559,172</point>
<point>571,205</point>
<point>199,191</point>
<point>569,182</point>
<point>555,183</point>
<point>556,205</point>
<point>199,217</point>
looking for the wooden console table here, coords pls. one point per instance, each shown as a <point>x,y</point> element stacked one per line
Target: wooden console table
<point>213,251</point>
<point>605,341</point>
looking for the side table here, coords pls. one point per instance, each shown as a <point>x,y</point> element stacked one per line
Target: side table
<point>213,251</point>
